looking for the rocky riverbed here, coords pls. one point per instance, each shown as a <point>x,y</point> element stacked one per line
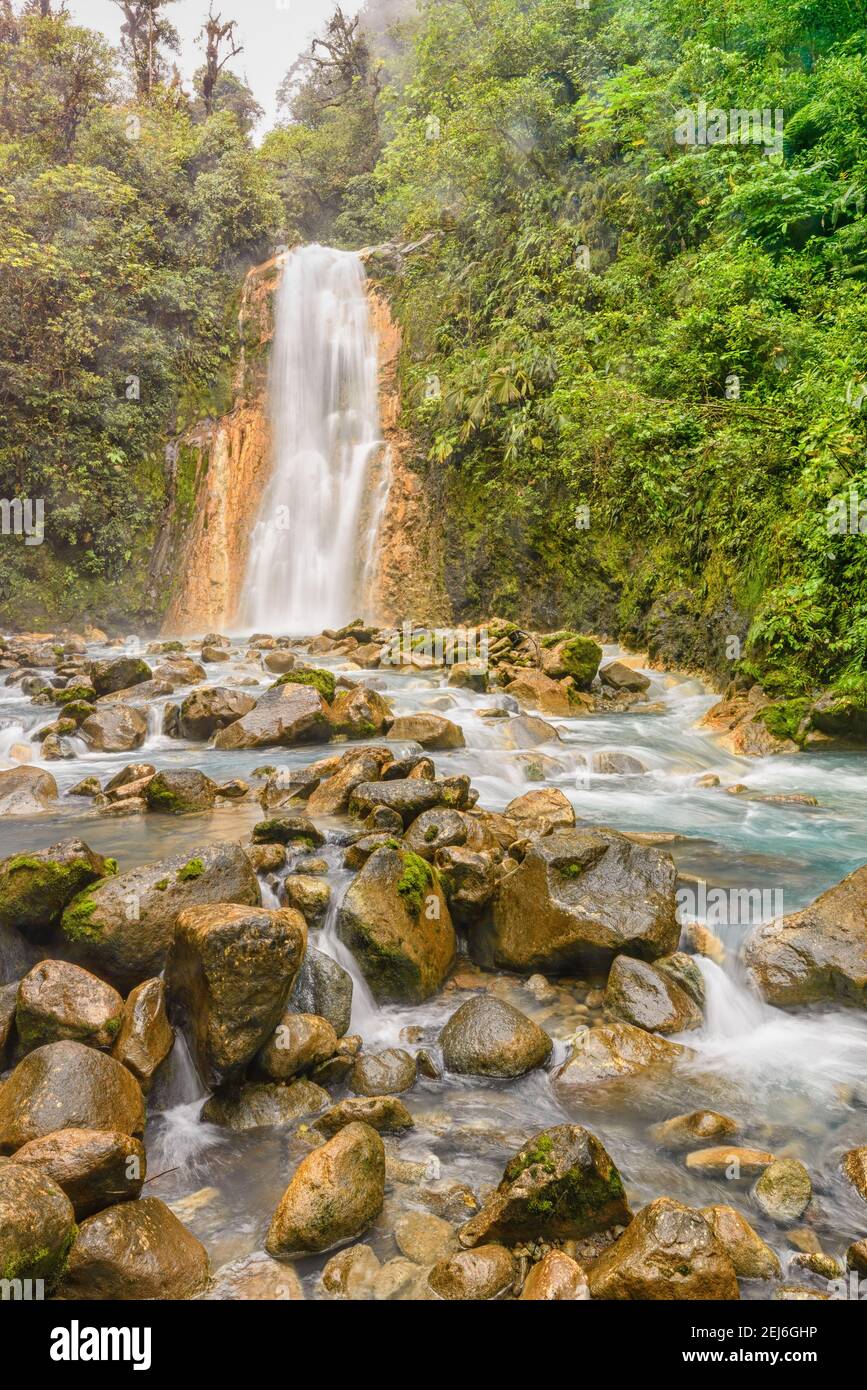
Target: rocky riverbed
<point>348,967</point>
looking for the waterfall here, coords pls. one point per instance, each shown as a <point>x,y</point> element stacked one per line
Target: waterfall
<point>312,548</point>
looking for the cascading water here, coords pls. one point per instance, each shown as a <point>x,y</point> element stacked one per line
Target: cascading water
<point>311,548</point>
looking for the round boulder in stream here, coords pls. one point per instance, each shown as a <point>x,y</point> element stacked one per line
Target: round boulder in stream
<point>561,1185</point>
<point>335,1194</point>
<point>578,899</point>
<point>211,708</point>
<point>122,927</point>
<point>383,1073</point>
<point>228,979</point>
<point>138,1250</point>
<point>180,791</point>
<point>36,887</point>
<point>641,994</point>
<point>95,1168</point>
<point>58,1000</point>
<point>64,1086</point>
<point>395,920</point>
<point>37,1224</point>
<point>489,1037</point>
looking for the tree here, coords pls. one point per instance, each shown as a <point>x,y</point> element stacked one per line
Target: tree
<point>215,34</point>
<point>144,32</point>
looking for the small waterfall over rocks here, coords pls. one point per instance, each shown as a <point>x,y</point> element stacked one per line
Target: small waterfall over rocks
<point>313,544</point>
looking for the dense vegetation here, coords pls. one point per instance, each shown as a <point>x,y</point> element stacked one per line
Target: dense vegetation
<point>642,436</point>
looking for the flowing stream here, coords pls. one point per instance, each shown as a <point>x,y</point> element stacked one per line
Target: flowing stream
<point>313,544</point>
<point>795,1081</point>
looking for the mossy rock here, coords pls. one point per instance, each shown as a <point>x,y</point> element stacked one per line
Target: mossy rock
<point>321,680</point>
<point>784,719</point>
<point>581,657</point>
<point>36,888</point>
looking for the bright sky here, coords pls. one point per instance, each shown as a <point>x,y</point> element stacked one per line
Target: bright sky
<point>272,32</point>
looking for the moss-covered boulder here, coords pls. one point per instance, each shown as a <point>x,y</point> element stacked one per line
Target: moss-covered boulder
<point>288,829</point>
<point>317,677</point>
<point>395,920</point>
<point>335,1194</point>
<point>180,791</point>
<point>359,713</point>
<point>578,899</point>
<point>95,1168</point>
<point>36,887</point>
<point>122,927</point>
<point>561,1185</point>
<point>490,1037</point>
<point>570,654</point>
<point>117,673</point>
<point>58,1000</point>
<point>37,1225</point>
<point>819,953</point>
<point>668,1252</point>
<point>228,978</point>
<point>134,1251</point>
<point>66,1085</point>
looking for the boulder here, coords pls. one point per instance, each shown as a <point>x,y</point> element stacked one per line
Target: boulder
<point>610,763</point>
<point>26,791</point>
<point>819,953</point>
<point>469,675</point>
<point>298,1044</point>
<point>95,1168</point>
<point>424,1238</point>
<point>135,1251</point>
<point>467,880</point>
<point>179,791</point>
<point>529,731</point>
<point>255,1278</point>
<point>577,900</point>
<point>383,1073</point>
<point>617,676</point>
<point>143,694</point>
<point>610,1054</point>
<point>489,1037</point>
<point>122,927</point>
<point>570,654</point>
<point>729,1161</point>
<point>407,796</point>
<point>556,1278</point>
<point>351,1274</point>
<point>335,1194</point>
<point>395,920</point>
<point>385,1114</point>
<point>284,715</point>
<point>37,1225</point>
<point>548,805</point>
<point>561,1185</point>
<point>114,729</point>
<point>58,1000</point>
<point>682,1132</point>
<point>288,829</point>
<point>264,1103</point>
<point>435,830</point>
<point>66,1085</point>
<point>323,987</point>
<point>430,730</point>
<point>211,708</point>
<point>751,1257</point>
<point>331,797</point>
<point>278,661</point>
<point>668,1251</point>
<point>117,673</point>
<point>309,895</point>
<point>639,993</point>
<point>228,978</point>
<point>180,670</point>
<point>537,691</point>
<point>146,1037</point>
<point>484,1273</point>
<point>359,713</point>
<point>784,1191</point>
<point>854,1169</point>
<point>36,887</point>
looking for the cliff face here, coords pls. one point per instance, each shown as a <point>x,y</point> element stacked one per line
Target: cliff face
<point>218,470</point>
<point>407,581</point>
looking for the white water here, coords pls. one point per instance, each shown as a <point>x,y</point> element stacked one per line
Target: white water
<point>311,550</point>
